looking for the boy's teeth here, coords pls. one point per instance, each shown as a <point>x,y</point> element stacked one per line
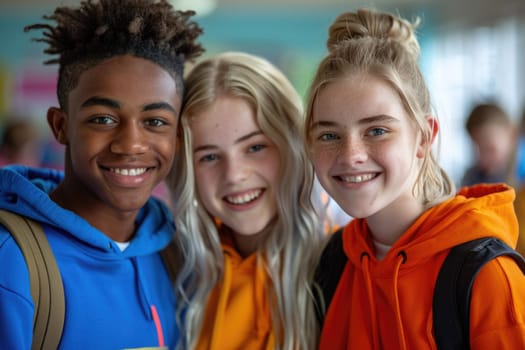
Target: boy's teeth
<point>357,178</point>
<point>245,198</point>
<point>129,172</point>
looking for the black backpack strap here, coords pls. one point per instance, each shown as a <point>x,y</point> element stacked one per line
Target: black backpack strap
<point>328,273</point>
<point>451,301</point>
<point>45,281</point>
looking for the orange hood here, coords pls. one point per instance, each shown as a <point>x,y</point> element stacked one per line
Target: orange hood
<point>238,315</point>
<point>387,304</point>
<point>478,211</point>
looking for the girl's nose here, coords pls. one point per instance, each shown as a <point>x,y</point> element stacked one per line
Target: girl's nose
<point>352,151</point>
<point>235,171</point>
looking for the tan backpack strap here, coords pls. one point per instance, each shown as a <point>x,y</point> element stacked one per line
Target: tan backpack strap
<point>171,260</point>
<point>46,286</point>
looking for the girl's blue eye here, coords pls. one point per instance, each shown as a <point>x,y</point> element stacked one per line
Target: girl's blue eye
<point>377,132</point>
<point>256,148</point>
<point>328,137</point>
<point>208,158</point>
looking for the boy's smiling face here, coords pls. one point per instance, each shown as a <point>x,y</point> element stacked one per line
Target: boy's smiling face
<point>120,133</point>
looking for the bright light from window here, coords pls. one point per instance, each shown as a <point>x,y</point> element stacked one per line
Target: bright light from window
<point>201,7</point>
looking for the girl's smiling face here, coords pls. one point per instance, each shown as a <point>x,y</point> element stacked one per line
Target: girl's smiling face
<point>366,149</point>
<point>236,166</point>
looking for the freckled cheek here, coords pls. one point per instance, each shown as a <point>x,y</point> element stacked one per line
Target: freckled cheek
<point>273,173</point>
<point>323,156</point>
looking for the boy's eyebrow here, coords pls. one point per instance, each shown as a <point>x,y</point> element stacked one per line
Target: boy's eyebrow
<point>240,139</point>
<point>104,101</point>
<point>159,105</point>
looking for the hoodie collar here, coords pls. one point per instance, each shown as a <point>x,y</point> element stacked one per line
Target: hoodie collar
<point>26,190</point>
<point>477,211</point>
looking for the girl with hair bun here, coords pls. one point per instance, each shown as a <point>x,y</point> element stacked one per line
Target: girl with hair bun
<point>370,130</point>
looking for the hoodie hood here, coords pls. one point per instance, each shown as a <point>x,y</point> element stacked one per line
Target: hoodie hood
<point>26,190</point>
<point>387,304</point>
<point>475,212</point>
<point>130,290</point>
<point>238,315</point>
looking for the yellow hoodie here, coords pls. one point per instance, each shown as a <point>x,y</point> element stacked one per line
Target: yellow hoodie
<point>238,315</point>
<point>387,304</point>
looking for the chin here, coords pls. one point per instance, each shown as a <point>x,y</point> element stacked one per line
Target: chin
<point>250,229</point>
<point>357,213</point>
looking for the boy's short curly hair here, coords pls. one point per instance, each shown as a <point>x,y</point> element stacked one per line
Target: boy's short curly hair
<point>86,35</point>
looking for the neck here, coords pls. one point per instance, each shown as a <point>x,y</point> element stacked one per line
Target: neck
<point>117,225</point>
<point>246,245</point>
<point>388,225</point>
<point>381,249</point>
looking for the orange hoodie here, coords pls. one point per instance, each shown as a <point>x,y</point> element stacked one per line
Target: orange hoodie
<point>387,304</point>
<point>238,315</point>
<point>519,205</point>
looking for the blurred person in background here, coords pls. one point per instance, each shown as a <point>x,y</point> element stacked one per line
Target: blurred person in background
<point>494,138</point>
<point>519,203</point>
<point>19,142</point>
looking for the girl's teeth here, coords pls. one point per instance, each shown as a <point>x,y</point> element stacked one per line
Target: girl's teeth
<point>245,198</point>
<point>357,178</point>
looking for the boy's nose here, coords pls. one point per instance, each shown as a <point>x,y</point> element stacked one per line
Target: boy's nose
<point>130,139</point>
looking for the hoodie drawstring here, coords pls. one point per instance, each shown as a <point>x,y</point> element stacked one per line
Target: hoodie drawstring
<point>158,325</point>
<point>262,299</point>
<point>400,331</point>
<point>150,310</point>
<point>144,302</point>
<point>365,262</point>
<point>365,257</point>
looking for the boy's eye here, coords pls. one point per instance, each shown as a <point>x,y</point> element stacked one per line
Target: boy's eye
<point>103,119</point>
<point>327,136</point>
<point>155,122</point>
<point>256,148</point>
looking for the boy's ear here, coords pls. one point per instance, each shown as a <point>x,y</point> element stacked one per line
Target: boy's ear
<point>427,140</point>
<point>57,120</point>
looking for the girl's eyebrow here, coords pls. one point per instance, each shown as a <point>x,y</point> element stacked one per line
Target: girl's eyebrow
<point>248,136</point>
<point>239,140</point>
<point>368,120</point>
<point>204,148</point>
<point>378,118</point>
<point>323,123</point>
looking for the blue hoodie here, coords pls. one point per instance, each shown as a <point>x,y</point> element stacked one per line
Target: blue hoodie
<point>114,299</point>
